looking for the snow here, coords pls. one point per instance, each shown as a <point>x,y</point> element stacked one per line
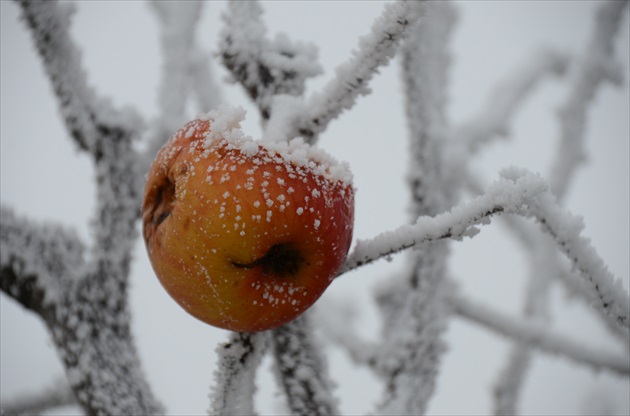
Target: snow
<point>506,97</point>
<point>225,122</point>
<point>266,68</point>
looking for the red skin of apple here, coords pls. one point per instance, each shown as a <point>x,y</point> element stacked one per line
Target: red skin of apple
<point>242,242</point>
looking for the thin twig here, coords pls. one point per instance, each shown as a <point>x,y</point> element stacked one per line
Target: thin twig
<point>535,335</point>
<point>56,395</point>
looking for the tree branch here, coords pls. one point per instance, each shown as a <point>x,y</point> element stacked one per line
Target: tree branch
<point>410,355</point>
<point>37,262</point>
<point>597,65</point>
<point>522,194</point>
<point>264,68</point>
<point>543,266</point>
<point>85,114</point>
<point>566,163</point>
<point>301,370</point>
<point>90,322</point>
<point>535,335</point>
<point>96,127</point>
<point>56,395</point>
<point>239,358</point>
<point>506,97</point>
<point>351,81</point>
<point>509,385</point>
<point>177,22</point>
<point>206,90</point>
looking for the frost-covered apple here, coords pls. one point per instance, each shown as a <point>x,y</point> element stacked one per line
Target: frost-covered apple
<point>244,235</point>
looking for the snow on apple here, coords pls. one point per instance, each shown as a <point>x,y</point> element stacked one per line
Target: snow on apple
<point>219,232</point>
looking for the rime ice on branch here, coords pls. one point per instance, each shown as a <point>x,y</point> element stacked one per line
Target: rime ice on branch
<point>505,99</point>
<point>85,114</point>
<point>413,347</point>
<point>238,360</point>
<point>301,370</point>
<point>597,65</point>
<point>84,304</point>
<point>524,195</point>
<point>37,262</point>
<point>185,71</point>
<point>264,68</point>
<point>592,68</point>
<point>352,78</point>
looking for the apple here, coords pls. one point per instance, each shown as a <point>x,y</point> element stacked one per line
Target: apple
<point>245,235</point>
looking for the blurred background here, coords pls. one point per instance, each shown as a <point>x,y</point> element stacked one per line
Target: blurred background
<point>44,177</point>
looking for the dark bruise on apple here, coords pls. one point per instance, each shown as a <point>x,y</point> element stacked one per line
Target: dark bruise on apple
<point>243,236</point>
<point>282,260</point>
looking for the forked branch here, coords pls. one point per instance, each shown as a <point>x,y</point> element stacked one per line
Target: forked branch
<point>351,80</point>
<point>263,67</point>
<point>37,262</point>
<point>527,195</point>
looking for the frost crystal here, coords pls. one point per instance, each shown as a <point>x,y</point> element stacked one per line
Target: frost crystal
<point>225,124</point>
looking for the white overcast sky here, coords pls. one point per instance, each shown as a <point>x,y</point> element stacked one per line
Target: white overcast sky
<point>44,177</point>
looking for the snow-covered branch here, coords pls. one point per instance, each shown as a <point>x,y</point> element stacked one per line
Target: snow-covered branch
<point>42,267</point>
<point>89,313</point>
<point>597,65</point>
<point>177,23</point>
<point>609,295</point>
<point>572,125</point>
<point>104,132</point>
<point>509,385</point>
<point>543,266</point>
<point>517,193</point>
<point>505,98</point>
<point>411,352</point>
<point>536,335</point>
<point>352,78</point>
<point>177,26</point>
<point>56,395</point>
<point>263,67</point>
<point>239,358</point>
<point>301,370</point>
<point>425,70</point>
<point>87,116</point>
<point>37,262</point>
<point>206,90</point>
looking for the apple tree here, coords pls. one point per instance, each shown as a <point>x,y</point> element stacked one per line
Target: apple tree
<point>80,289</point>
